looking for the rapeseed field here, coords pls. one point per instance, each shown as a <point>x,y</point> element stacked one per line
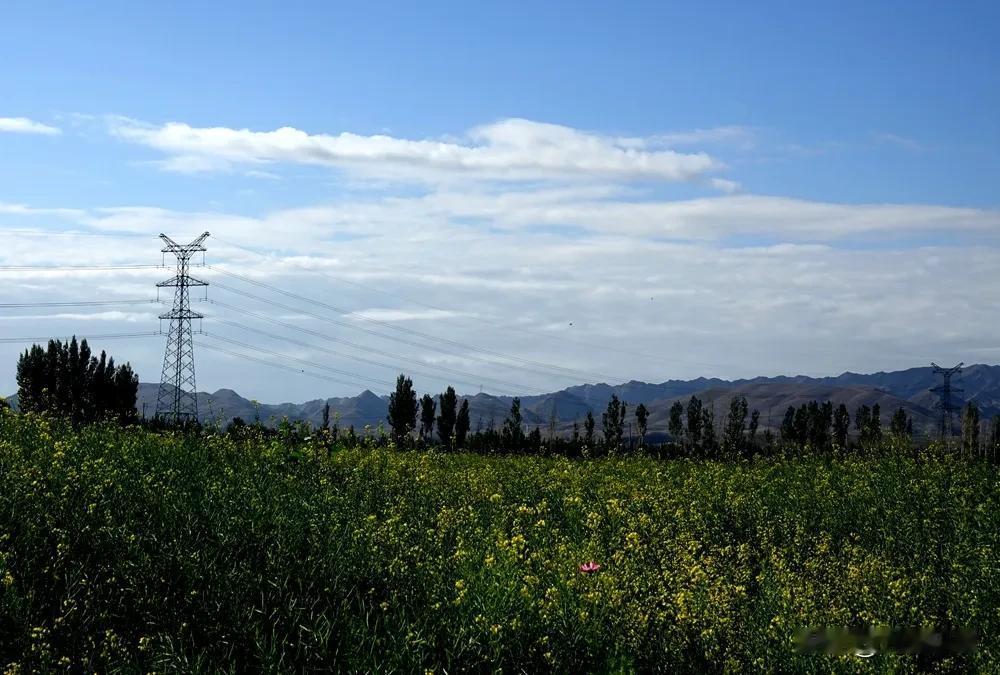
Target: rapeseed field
<point>124,550</point>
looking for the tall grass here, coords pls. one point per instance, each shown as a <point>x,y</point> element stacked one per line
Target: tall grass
<point>125,550</point>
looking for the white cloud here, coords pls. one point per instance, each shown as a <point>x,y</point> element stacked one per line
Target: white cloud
<point>129,317</point>
<point>731,135</point>
<point>725,185</point>
<point>384,314</point>
<point>898,141</point>
<point>616,211</point>
<point>23,125</point>
<point>511,149</point>
<point>647,276</point>
<point>7,208</point>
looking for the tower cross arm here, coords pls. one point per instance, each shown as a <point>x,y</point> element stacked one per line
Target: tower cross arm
<point>173,247</point>
<point>186,281</point>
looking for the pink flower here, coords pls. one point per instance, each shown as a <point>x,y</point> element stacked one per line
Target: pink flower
<point>589,567</point>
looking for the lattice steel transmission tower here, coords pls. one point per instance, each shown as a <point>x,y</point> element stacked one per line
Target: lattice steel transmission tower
<point>177,399</point>
<point>947,404</point>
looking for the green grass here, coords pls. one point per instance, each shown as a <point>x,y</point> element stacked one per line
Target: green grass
<point>126,550</point>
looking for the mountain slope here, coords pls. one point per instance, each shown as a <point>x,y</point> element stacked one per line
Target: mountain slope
<point>909,389</point>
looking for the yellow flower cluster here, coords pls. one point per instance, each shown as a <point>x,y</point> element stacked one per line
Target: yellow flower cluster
<point>375,560</point>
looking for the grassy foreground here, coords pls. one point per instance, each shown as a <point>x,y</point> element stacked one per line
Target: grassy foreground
<point>126,550</point>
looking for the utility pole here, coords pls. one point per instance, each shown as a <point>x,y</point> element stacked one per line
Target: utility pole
<point>177,399</point>
<point>947,405</point>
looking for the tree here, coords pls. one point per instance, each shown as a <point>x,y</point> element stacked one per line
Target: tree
<point>613,423</point>
<point>995,436</point>
<point>462,424</point>
<point>820,420</point>
<point>588,430</point>
<point>900,425</point>
<point>513,434</point>
<point>642,421</point>
<point>970,428</point>
<point>448,402</point>
<point>789,432</point>
<point>675,423</point>
<point>708,442</point>
<point>31,380</point>
<point>841,425</point>
<point>875,424</point>
<point>126,389</point>
<point>427,409</point>
<point>695,421</point>
<point>326,416</point>
<point>752,429</point>
<point>801,423</point>
<point>732,438</point>
<point>535,441</point>
<point>863,423</point>
<point>402,415</point>
<point>65,379</point>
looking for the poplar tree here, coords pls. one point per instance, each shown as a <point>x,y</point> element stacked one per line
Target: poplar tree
<point>513,434</point>
<point>462,424</point>
<point>675,423</point>
<point>642,422</point>
<point>841,426</point>
<point>695,422</point>
<point>970,428</point>
<point>402,415</point>
<point>752,429</point>
<point>613,422</point>
<point>66,379</point>
<point>732,438</point>
<point>900,423</point>
<point>427,410</point>
<point>588,430</point>
<point>448,402</point>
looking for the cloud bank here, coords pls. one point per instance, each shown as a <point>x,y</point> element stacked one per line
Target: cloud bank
<point>23,125</point>
<point>508,150</point>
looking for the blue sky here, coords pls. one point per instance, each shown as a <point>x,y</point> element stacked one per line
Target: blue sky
<point>814,158</point>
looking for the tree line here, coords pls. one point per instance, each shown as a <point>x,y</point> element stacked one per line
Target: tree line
<point>817,427</point>
<point>67,380</point>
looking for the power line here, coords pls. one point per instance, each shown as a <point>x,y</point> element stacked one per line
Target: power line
<point>273,364</point>
<point>78,303</point>
<point>347,324</point>
<point>410,331</point>
<point>105,336</point>
<point>382,364</point>
<point>498,324</point>
<point>72,233</point>
<point>515,387</point>
<point>311,364</point>
<point>73,268</point>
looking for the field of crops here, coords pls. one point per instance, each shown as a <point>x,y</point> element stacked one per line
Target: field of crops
<point>127,550</point>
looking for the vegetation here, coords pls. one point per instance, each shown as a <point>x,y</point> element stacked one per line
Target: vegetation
<point>65,379</point>
<point>125,549</point>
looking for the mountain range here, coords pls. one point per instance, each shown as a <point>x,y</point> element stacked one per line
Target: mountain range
<point>909,389</point>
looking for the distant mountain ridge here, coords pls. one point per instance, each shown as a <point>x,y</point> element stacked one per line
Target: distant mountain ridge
<point>909,389</point>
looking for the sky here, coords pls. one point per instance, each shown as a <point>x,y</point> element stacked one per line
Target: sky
<point>506,197</point>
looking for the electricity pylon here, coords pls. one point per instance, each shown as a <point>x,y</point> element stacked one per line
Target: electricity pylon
<point>177,399</point>
<point>947,405</point>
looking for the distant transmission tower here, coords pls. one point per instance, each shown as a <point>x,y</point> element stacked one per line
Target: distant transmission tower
<point>947,404</point>
<point>177,399</point>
